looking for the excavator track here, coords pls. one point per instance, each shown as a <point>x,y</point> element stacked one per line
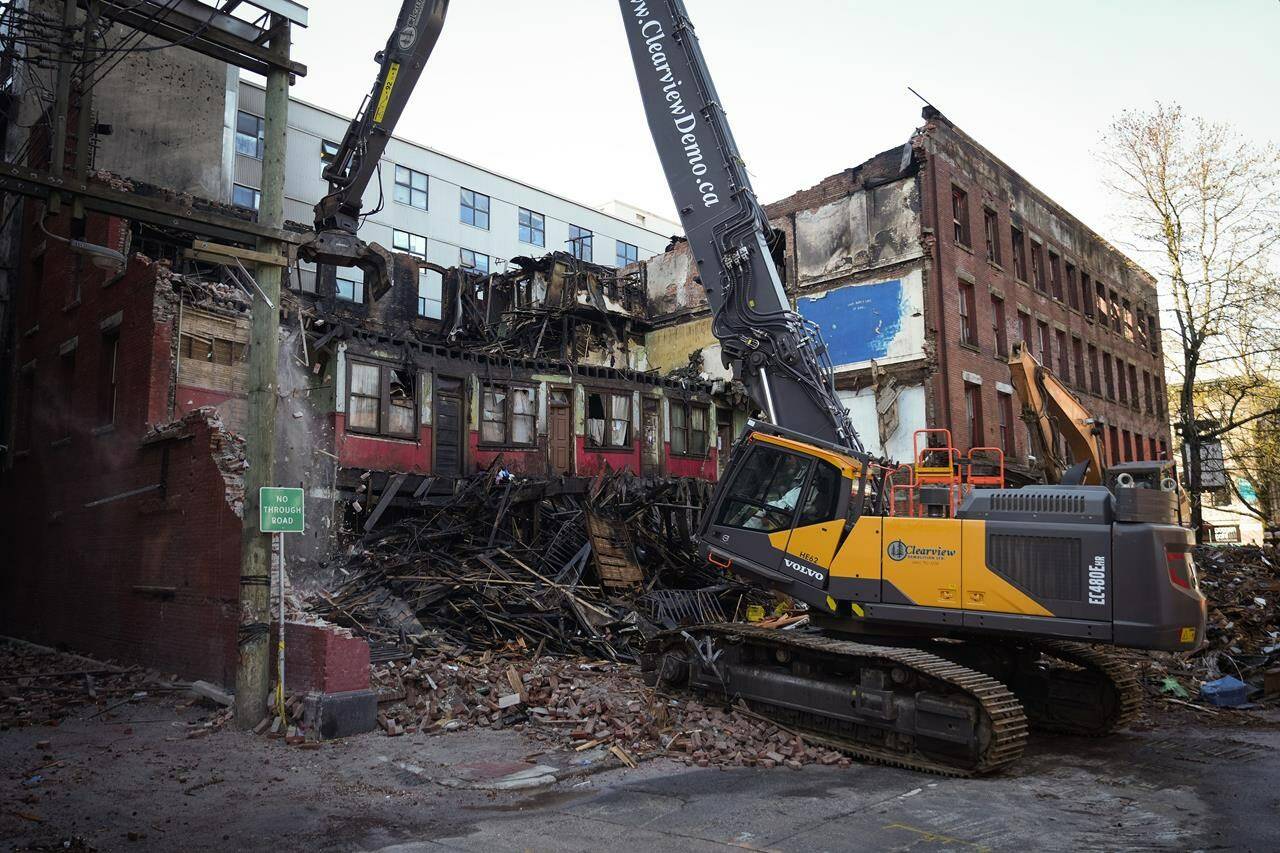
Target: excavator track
<point>1093,696</point>
<point>897,706</point>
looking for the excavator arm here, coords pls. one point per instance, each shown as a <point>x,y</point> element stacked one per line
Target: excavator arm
<point>337,215</point>
<point>778,355</point>
<point>1051,410</point>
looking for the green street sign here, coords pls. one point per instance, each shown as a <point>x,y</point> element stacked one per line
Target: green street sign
<point>280,510</point>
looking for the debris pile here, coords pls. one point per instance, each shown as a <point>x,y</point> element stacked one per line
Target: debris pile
<point>580,705</point>
<point>499,560</point>
<point>42,687</point>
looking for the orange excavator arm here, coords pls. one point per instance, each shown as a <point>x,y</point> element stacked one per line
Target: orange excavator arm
<point>1051,410</point>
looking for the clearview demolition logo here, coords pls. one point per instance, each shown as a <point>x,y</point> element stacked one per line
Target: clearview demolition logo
<point>899,551</point>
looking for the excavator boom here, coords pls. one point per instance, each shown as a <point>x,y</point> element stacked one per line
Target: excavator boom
<point>1050,409</point>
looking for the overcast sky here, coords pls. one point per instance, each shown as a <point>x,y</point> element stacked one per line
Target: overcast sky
<point>544,90</point>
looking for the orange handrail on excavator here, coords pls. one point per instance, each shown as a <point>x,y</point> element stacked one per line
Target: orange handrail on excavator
<point>1051,409</point>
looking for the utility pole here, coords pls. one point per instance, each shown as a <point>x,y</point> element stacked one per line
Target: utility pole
<point>253,674</point>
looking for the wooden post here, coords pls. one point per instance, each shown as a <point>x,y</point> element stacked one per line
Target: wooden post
<point>253,674</point>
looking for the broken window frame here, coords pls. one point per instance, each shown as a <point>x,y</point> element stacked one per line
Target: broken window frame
<point>250,142</point>
<point>999,330</point>
<point>625,253</point>
<point>510,418</point>
<point>473,208</point>
<point>960,216</point>
<point>685,436</point>
<point>1095,374</point>
<point>210,350</point>
<point>1019,240</point>
<point>1072,281</point>
<point>973,414</point>
<point>991,224</point>
<point>532,227</point>
<point>407,241</point>
<point>610,420</point>
<point>1005,411</point>
<point>968,315</point>
<point>1055,275</point>
<point>473,263</point>
<point>1037,267</point>
<point>1077,352</point>
<point>580,242</point>
<point>387,401</point>
<point>407,192</point>
<point>1064,356</point>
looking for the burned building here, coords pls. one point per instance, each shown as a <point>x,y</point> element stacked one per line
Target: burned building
<point>131,393</point>
<point>923,266</point>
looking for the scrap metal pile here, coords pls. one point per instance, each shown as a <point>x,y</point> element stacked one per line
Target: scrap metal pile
<point>502,560</point>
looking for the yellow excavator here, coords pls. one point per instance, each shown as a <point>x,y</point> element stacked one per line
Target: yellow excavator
<point>935,641</point>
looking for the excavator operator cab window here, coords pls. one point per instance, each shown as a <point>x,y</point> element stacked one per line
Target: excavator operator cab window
<point>765,490</point>
<point>822,499</point>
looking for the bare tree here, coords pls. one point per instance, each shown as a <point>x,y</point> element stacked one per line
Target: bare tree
<point>1202,209</point>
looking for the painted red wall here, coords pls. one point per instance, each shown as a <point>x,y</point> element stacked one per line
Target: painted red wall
<point>381,454</point>
<point>527,462</point>
<point>591,461</point>
<point>688,466</point>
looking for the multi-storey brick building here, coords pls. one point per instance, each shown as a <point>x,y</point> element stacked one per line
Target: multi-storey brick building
<point>924,266</point>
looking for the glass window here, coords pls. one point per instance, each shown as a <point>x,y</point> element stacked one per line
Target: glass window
<point>533,228</point>
<point>366,396</point>
<point>626,254</point>
<point>382,400</point>
<point>765,491</point>
<point>328,151</point>
<point>430,294</point>
<point>473,261</point>
<point>349,284</point>
<point>475,209</point>
<point>822,500</point>
<point>960,215</point>
<point>580,242</point>
<point>246,197</point>
<point>411,187</point>
<point>405,241</point>
<point>689,429</point>
<point>509,415</point>
<point>249,129</point>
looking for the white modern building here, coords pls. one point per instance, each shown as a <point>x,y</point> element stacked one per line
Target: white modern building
<point>447,210</point>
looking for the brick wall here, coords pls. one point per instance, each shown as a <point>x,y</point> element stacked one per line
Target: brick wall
<point>952,160</point>
<point>115,546</point>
